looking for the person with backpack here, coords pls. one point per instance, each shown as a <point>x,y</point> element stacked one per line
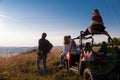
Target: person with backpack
<point>44,47</point>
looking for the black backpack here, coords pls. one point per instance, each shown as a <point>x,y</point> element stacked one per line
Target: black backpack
<point>49,47</point>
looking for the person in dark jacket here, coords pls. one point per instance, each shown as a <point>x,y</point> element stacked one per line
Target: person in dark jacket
<point>44,47</point>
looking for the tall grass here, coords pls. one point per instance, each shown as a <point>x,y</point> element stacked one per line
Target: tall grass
<point>23,67</point>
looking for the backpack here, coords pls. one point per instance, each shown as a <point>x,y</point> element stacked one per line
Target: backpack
<point>45,45</point>
<point>49,46</point>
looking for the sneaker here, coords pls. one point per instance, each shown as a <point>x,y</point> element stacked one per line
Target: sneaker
<point>60,65</point>
<point>44,73</point>
<point>40,73</point>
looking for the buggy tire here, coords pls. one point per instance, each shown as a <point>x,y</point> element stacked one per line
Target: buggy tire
<point>87,75</point>
<point>117,76</point>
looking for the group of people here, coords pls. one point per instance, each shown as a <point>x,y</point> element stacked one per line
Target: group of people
<point>45,46</point>
<point>44,49</point>
<point>69,46</point>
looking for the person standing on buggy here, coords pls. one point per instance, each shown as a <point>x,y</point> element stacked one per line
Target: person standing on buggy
<point>97,23</point>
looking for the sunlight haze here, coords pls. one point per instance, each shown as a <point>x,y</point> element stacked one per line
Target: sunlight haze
<point>23,21</point>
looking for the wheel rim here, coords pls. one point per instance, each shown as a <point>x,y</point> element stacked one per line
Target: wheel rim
<point>87,76</point>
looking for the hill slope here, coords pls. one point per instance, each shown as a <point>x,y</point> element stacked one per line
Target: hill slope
<point>22,67</point>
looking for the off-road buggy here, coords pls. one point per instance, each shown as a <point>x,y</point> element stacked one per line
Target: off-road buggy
<point>95,62</point>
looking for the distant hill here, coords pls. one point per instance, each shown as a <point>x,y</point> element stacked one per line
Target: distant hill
<point>5,51</point>
<point>57,47</point>
<point>14,50</point>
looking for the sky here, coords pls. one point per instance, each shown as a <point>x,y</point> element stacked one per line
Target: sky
<point>23,21</point>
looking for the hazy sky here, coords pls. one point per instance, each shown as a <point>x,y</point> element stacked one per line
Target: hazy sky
<point>23,21</point>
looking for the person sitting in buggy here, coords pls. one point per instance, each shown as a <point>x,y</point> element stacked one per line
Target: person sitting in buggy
<point>74,50</point>
<point>88,47</point>
<point>103,50</point>
<point>97,25</point>
<point>74,54</point>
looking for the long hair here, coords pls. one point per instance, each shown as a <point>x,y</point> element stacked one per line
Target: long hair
<point>97,11</point>
<point>66,40</point>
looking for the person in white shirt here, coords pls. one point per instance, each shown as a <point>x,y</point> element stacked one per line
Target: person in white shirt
<point>66,49</point>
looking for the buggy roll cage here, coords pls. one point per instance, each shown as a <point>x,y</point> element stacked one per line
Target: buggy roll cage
<point>84,36</point>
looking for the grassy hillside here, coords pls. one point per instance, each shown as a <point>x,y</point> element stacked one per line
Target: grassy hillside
<point>22,67</point>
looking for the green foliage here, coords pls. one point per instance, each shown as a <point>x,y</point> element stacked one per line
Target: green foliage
<point>116,41</point>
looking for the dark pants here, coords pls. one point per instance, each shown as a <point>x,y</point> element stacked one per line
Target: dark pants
<point>96,28</point>
<point>42,57</point>
<point>62,58</point>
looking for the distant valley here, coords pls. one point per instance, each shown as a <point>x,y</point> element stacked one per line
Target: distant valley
<point>6,51</point>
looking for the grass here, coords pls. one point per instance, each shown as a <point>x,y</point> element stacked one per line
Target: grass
<point>22,67</point>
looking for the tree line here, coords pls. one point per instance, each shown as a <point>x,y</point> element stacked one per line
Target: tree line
<point>116,41</point>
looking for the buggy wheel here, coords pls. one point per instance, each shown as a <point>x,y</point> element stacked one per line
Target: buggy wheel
<point>118,76</point>
<point>87,75</point>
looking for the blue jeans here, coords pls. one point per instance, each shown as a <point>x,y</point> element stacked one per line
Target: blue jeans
<point>62,58</point>
<point>43,58</point>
